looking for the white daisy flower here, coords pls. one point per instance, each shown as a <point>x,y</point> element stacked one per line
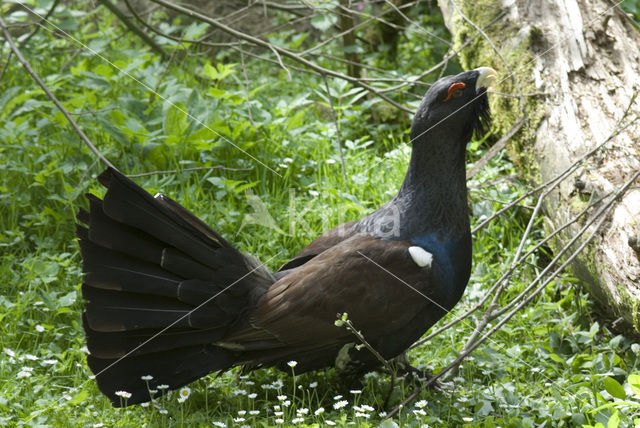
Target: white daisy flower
<point>185,392</point>
<point>319,411</point>
<point>146,378</point>
<point>340,404</point>
<point>123,394</point>
<point>420,404</point>
<point>292,363</point>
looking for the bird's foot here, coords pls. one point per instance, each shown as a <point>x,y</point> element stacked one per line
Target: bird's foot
<point>419,376</point>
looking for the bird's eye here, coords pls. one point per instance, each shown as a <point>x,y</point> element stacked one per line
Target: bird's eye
<point>455,91</point>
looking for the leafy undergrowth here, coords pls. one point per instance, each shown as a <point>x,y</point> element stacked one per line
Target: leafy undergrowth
<point>554,364</point>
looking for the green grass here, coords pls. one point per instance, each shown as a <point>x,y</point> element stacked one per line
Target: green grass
<point>554,364</point>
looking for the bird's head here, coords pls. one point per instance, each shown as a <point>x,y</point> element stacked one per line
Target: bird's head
<point>454,107</point>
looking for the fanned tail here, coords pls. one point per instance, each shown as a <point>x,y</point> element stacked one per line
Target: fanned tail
<point>161,288</point>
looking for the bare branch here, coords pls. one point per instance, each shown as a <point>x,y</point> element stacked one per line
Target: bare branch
<point>133,28</point>
<point>39,24</point>
<point>281,51</point>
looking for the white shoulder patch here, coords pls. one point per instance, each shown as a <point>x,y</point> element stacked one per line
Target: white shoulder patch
<point>420,256</point>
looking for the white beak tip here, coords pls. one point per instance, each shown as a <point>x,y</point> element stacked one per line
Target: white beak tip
<point>486,77</point>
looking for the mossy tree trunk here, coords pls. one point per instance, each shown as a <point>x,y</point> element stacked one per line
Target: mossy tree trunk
<point>577,66</point>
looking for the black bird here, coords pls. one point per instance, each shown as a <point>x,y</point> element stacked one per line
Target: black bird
<point>169,297</point>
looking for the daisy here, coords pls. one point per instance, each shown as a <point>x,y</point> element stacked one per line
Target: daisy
<point>340,404</point>
<point>123,394</point>
<point>185,392</point>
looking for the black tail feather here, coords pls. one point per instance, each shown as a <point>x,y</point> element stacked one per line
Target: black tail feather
<point>155,286</point>
<point>174,368</point>
<point>110,345</point>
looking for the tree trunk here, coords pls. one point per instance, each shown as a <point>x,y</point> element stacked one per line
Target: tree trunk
<point>581,59</point>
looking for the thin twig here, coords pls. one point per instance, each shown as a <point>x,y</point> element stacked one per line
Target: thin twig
<point>447,57</point>
<point>152,97</point>
<point>495,149</point>
<point>281,51</point>
<point>6,65</point>
<point>195,168</point>
<point>335,121</point>
<point>133,28</point>
<point>52,97</point>
<point>247,90</point>
<point>24,42</point>
<point>82,113</point>
<point>200,41</point>
<point>275,51</point>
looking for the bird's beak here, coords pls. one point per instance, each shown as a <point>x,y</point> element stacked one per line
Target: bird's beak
<point>486,76</point>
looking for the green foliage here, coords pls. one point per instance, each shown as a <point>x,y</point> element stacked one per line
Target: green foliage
<point>552,365</point>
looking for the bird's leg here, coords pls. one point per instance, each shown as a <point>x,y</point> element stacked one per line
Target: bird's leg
<point>416,374</point>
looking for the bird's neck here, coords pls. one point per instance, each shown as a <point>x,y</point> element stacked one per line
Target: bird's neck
<point>431,201</point>
<point>434,192</point>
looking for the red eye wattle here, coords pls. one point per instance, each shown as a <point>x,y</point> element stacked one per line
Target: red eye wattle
<point>455,91</point>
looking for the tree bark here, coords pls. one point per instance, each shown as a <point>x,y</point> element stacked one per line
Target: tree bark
<point>581,59</point>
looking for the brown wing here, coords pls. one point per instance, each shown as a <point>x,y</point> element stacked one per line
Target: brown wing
<point>323,242</point>
<point>376,282</point>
